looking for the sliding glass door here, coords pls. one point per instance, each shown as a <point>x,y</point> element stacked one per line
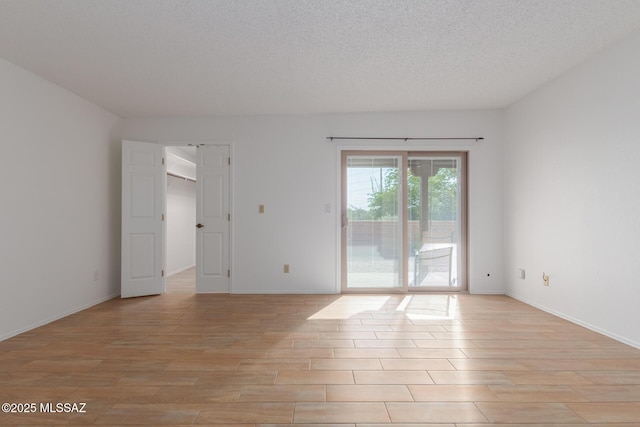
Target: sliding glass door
<point>403,221</point>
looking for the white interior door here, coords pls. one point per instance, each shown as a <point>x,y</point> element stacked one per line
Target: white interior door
<point>143,183</point>
<point>212,219</point>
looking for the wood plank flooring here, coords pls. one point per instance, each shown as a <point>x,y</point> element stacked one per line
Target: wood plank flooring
<point>350,360</point>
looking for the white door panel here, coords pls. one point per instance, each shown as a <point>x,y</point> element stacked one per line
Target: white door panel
<point>213,245</point>
<point>212,215</point>
<point>143,183</point>
<point>142,255</point>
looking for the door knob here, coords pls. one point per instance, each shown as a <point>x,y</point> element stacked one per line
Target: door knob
<point>199,225</point>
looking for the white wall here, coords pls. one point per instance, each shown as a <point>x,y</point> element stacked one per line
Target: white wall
<point>60,214</point>
<point>287,164</point>
<point>181,221</point>
<point>572,153</point>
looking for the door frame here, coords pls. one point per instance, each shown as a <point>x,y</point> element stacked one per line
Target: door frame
<point>409,151</point>
<point>171,143</point>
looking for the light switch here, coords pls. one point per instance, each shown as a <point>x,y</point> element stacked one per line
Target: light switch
<point>261,209</point>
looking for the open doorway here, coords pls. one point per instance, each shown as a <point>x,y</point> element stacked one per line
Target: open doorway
<point>181,218</point>
<point>144,247</point>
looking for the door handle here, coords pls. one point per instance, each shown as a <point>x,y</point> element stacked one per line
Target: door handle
<point>199,225</point>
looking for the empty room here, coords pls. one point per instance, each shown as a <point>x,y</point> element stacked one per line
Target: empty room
<point>348,213</point>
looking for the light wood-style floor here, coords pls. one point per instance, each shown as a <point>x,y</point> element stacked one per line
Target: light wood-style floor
<point>245,360</point>
<point>183,282</point>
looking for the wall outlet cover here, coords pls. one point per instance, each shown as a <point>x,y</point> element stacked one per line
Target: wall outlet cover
<point>521,273</point>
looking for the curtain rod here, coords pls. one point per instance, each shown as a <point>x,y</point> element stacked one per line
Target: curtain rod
<point>181,177</point>
<point>476,139</point>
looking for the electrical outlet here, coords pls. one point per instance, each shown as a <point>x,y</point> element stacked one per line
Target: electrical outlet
<point>521,273</point>
<point>286,268</point>
<point>545,279</point>
<point>261,209</point>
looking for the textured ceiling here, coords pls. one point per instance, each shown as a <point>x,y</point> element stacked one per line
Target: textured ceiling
<point>140,58</point>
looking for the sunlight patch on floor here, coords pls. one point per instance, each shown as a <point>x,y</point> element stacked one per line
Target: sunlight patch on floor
<point>429,307</point>
<point>414,307</point>
<point>350,305</point>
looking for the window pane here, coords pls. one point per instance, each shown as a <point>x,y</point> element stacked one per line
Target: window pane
<point>374,223</point>
<point>434,221</point>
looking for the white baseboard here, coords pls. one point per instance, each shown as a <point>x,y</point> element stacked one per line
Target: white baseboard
<point>488,292</point>
<point>587,325</point>
<point>280,292</point>
<point>56,317</point>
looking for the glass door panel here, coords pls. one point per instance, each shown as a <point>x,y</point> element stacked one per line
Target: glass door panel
<point>372,239</point>
<point>435,233</point>
<point>404,221</point>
